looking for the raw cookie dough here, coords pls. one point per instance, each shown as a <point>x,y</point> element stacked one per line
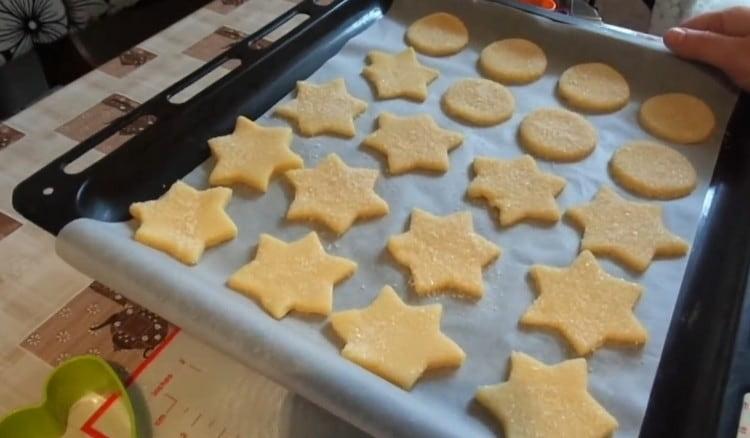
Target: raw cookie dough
<point>413,143</point>
<point>396,341</point>
<point>653,170</point>
<point>517,189</point>
<point>335,194</point>
<point>399,75</point>
<point>587,306</point>
<point>631,233</point>
<point>292,276</point>
<point>444,254</point>
<point>251,154</point>
<point>557,134</point>
<point>438,34</point>
<point>513,61</point>
<point>541,400</point>
<point>677,117</point>
<point>479,102</point>
<point>185,221</point>
<point>323,109</point>
<point>594,87</point>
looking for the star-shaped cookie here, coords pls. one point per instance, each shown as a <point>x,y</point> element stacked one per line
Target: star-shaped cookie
<point>396,341</point>
<point>444,254</point>
<point>399,75</point>
<point>335,194</point>
<point>517,189</point>
<point>292,276</point>
<point>413,143</point>
<point>323,109</point>
<point>541,400</point>
<point>184,221</point>
<point>587,306</point>
<point>251,154</point>
<point>630,232</point>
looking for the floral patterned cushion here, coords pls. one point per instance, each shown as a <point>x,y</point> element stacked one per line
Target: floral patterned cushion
<point>24,23</point>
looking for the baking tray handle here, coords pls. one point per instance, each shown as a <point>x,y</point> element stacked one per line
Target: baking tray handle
<point>51,198</point>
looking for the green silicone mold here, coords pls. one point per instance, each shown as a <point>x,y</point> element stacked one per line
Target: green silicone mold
<point>68,383</point>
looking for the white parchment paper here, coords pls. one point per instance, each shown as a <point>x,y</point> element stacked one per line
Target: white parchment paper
<point>302,353</point>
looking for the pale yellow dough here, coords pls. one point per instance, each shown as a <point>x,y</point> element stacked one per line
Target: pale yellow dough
<point>251,154</point>
<point>479,101</point>
<point>517,189</point>
<point>185,221</point>
<point>323,109</point>
<point>653,170</point>
<point>438,34</point>
<point>415,142</point>
<point>513,61</point>
<point>399,75</point>
<point>541,400</point>
<point>292,276</point>
<point>594,87</point>
<point>444,254</point>
<point>335,194</point>
<point>396,341</point>
<point>631,233</point>
<point>677,117</point>
<point>557,134</point>
<point>587,306</point>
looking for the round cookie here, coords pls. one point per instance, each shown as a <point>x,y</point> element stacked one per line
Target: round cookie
<point>513,61</point>
<point>479,102</point>
<point>594,87</point>
<point>557,134</point>
<point>653,170</point>
<point>677,117</point>
<point>438,34</point>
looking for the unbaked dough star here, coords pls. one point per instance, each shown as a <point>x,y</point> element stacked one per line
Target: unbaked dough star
<point>413,143</point>
<point>335,194</point>
<point>323,109</point>
<point>399,75</point>
<point>630,232</point>
<point>251,154</point>
<point>587,306</point>
<point>444,254</point>
<point>517,189</point>
<point>292,276</point>
<point>184,221</point>
<point>541,400</point>
<point>396,341</point>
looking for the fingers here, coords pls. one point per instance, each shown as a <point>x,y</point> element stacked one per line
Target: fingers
<point>727,53</point>
<point>732,22</point>
<point>711,48</point>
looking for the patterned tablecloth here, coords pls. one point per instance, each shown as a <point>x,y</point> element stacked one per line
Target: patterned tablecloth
<point>50,312</point>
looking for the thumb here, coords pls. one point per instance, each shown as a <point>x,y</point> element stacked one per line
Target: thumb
<point>721,51</point>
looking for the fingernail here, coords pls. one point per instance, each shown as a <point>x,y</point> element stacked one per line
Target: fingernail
<point>674,36</point>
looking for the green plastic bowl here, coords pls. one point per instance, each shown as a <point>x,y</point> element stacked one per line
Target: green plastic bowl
<point>68,383</point>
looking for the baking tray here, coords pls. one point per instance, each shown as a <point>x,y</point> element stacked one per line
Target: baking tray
<point>700,382</point>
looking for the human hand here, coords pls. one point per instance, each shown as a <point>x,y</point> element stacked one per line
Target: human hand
<point>721,39</point>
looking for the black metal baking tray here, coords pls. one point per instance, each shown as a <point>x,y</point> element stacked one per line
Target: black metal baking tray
<point>705,365</point>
